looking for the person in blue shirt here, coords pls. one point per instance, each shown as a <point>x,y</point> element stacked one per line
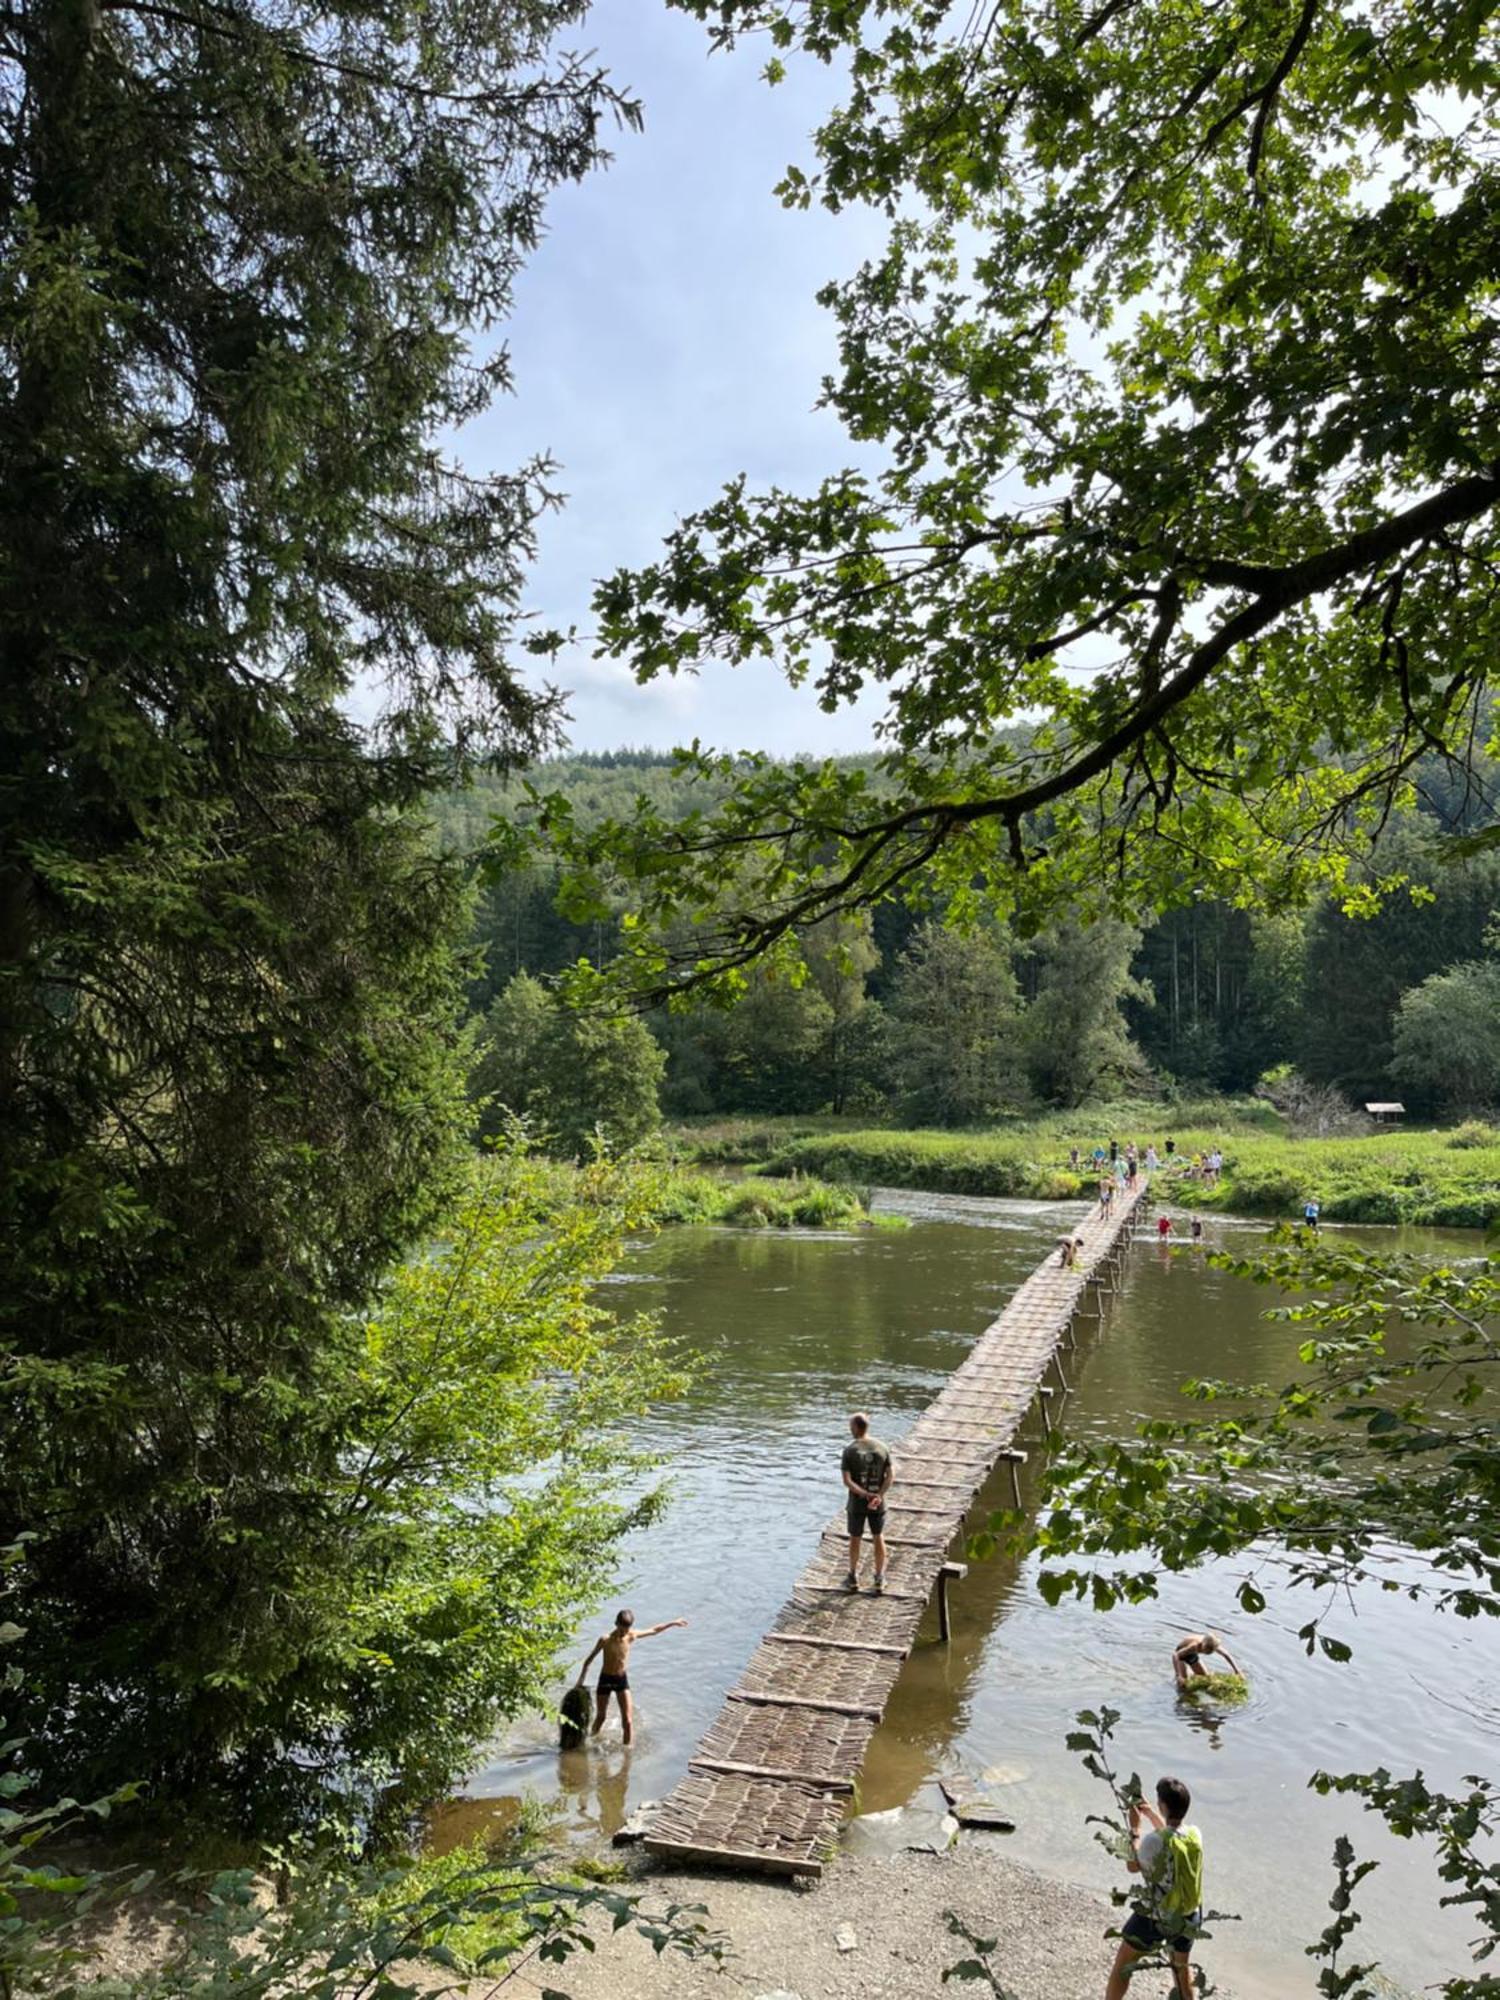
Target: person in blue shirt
<point>1310,1212</point>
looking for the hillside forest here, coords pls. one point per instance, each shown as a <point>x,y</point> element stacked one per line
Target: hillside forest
<point>902,1015</point>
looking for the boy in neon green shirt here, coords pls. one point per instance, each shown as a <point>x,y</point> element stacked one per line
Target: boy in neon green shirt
<point>1169,1855</point>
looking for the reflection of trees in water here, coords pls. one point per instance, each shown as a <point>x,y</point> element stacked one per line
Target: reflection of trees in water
<point>774,1316</point>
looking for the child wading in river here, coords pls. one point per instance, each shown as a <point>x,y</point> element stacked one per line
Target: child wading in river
<point>614,1676</point>
<point>1189,1654</point>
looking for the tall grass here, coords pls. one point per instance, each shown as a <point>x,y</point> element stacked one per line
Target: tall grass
<point>795,1203</point>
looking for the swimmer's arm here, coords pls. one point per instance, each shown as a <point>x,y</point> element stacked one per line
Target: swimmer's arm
<point>1228,1658</point>
<point>598,1648</point>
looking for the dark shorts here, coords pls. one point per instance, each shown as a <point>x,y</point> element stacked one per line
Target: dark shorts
<point>614,1683</point>
<point>1145,1933</point>
<point>862,1511</point>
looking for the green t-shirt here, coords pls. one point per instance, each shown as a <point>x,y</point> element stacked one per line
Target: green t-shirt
<point>866,1461</point>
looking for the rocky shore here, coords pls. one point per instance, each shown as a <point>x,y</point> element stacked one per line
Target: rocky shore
<point>874,1928</point>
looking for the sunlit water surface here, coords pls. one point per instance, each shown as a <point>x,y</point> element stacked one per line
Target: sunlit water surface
<point>789,1333</point>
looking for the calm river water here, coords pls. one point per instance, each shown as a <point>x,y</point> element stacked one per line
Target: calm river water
<point>790,1332</point>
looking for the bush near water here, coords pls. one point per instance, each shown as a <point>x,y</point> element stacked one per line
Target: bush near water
<point>795,1203</point>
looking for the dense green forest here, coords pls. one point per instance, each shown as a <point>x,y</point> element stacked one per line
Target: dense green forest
<point>903,1016</point>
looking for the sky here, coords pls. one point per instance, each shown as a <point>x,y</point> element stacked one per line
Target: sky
<point>666,337</point>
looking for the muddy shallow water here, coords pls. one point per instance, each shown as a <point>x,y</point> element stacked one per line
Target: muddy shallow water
<point>789,1333</point>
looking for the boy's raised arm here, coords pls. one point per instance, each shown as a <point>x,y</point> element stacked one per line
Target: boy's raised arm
<point>667,1625</point>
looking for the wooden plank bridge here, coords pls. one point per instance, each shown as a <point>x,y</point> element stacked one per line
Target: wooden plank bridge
<point>767,1785</point>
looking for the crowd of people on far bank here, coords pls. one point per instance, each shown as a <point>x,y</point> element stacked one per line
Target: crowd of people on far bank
<point>1115,1166</point>
<point>1165,1852</point>
<point>1118,1169</point>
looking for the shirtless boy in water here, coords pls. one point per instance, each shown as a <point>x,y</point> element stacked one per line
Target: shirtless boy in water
<point>614,1677</point>
<point>1187,1657</point>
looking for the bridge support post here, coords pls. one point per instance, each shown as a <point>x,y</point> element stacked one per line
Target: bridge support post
<point>954,1570</point>
<point>1015,1459</point>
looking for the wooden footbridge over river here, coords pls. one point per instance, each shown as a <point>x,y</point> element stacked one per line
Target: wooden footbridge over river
<point>767,1785</point>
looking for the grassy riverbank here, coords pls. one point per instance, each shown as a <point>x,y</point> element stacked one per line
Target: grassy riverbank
<point>1441,1177</point>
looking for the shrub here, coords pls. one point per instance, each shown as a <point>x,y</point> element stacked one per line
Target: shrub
<point>759,1204</point>
<point>1473,1133</point>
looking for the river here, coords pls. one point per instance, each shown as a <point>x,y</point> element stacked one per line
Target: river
<point>790,1332</point>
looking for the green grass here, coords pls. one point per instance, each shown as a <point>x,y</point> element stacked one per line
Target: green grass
<point>795,1203</point>
<point>1445,1178</point>
<point>745,1141</point>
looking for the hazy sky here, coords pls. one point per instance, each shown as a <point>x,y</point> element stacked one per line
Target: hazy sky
<point>666,337</point>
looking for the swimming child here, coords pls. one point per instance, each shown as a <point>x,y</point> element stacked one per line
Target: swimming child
<point>1188,1655</point>
<point>614,1678</point>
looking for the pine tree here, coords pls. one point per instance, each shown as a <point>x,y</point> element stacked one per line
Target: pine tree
<point>241,246</point>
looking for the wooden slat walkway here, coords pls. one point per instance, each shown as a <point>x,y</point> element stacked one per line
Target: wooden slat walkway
<point>767,1785</point>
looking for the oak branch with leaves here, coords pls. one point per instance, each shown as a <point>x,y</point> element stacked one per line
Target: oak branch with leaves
<point>1172,545</point>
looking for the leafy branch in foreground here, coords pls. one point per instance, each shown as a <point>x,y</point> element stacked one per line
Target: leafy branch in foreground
<point>1178,361</point>
<point>1335,1981</point>
<point>1463,1827</point>
<point>978,1968</point>
<point>382,1934</point>
<point>1385,1438</point>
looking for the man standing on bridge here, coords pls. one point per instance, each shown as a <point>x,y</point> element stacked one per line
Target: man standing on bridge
<point>867,1479</point>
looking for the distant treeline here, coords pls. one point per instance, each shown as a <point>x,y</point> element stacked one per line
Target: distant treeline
<point>902,1016</point>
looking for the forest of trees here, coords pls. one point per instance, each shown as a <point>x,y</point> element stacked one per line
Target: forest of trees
<point>900,1015</point>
